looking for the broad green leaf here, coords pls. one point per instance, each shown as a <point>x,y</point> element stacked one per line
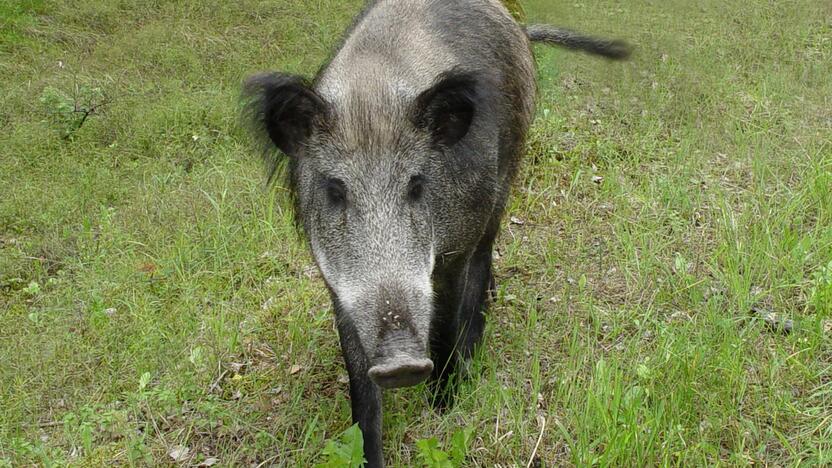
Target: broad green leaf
<point>459,445</point>
<point>431,455</point>
<point>346,452</point>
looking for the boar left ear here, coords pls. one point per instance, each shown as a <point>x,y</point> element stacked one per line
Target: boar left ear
<point>447,109</point>
<point>284,107</point>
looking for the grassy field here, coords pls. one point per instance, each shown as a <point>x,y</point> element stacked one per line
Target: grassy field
<point>157,306</point>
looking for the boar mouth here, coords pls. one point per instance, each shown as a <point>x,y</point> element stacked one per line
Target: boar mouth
<point>400,370</point>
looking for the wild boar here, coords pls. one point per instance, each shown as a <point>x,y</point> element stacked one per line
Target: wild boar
<point>401,153</point>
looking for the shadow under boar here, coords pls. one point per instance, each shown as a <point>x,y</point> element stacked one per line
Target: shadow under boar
<point>401,153</point>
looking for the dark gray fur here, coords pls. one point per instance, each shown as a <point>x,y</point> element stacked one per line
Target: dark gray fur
<point>609,48</point>
<point>401,153</point>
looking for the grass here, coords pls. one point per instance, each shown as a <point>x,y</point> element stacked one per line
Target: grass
<point>154,295</point>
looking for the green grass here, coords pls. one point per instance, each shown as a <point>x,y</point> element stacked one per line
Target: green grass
<point>154,294</point>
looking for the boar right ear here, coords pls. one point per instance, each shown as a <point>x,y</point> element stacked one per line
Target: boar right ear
<point>284,107</point>
<point>446,110</point>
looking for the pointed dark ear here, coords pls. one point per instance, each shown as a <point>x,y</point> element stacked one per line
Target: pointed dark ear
<point>447,109</point>
<point>284,107</point>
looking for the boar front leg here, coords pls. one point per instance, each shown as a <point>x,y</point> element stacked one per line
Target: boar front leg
<point>365,396</point>
<point>462,293</point>
<point>477,287</point>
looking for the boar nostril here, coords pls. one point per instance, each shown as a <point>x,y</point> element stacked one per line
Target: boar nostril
<point>401,371</point>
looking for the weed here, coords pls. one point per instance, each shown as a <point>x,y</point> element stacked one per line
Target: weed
<point>433,457</point>
<point>347,452</point>
<point>69,113</point>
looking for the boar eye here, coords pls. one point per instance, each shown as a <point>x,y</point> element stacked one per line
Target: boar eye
<point>336,191</point>
<point>416,188</point>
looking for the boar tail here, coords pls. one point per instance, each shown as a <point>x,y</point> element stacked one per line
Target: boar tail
<point>611,49</point>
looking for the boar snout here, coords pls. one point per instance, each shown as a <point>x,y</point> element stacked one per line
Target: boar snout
<point>400,361</point>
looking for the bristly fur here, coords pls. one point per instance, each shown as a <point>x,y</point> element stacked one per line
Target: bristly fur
<point>435,91</point>
<point>255,99</point>
<point>258,102</point>
<point>455,93</point>
<point>611,49</point>
<point>277,107</point>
